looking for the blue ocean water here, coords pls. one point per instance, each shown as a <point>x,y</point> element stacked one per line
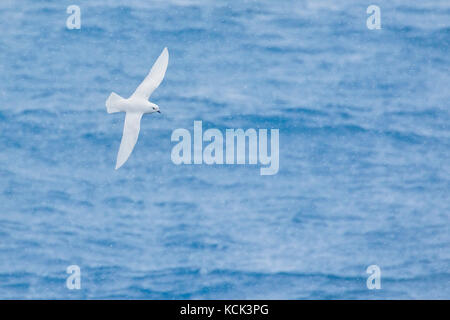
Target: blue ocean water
<point>364,150</point>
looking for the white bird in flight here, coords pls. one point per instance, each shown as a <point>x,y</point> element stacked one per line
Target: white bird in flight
<point>136,105</point>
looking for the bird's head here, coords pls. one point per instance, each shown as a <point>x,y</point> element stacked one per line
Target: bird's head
<point>155,108</point>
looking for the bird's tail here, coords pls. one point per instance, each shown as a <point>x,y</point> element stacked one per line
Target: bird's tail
<point>114,103</point>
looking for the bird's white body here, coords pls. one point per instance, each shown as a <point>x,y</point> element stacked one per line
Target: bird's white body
<point>136,105</point>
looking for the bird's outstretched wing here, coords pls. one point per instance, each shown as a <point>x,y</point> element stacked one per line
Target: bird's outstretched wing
<point>154,78</point>
<point>129,138</point>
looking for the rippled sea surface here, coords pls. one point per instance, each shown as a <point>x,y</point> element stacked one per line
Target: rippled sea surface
<point>364,150</point>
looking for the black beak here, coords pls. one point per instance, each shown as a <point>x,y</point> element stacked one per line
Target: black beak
<point>158,111</point>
